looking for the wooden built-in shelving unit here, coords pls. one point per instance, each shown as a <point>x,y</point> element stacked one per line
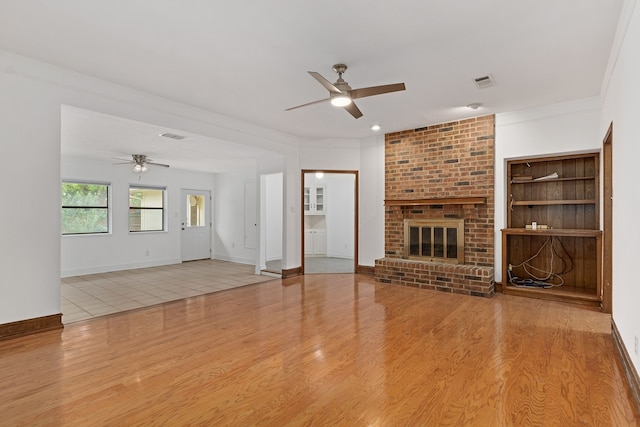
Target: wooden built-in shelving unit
<point>561,193</point>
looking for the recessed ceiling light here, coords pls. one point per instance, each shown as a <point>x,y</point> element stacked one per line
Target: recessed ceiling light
<point>375,128</point>
<point>474,105</point>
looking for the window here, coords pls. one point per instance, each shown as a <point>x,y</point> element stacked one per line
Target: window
<point>85,208</point>
<point>195,210</point>
<point>146,209</point>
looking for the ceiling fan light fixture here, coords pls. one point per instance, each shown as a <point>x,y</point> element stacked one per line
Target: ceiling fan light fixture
<point>140,163</point>
<point>340,100</point>
<point>140,168</point>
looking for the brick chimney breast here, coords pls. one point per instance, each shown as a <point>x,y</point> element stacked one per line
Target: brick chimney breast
<point>453,161</point>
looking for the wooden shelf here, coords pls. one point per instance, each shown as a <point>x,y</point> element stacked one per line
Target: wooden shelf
<point>560,232</point>
<point>560,293</point>
<point>540,181</point>
<point>553,202</point>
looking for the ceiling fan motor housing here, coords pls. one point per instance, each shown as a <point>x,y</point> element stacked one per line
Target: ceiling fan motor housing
<point>340,68</point>
<point>139,158</point>
<point>342,86</point>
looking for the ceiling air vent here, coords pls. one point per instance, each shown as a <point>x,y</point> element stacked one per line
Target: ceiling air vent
<point>484,81</point>
<point>172,136</point>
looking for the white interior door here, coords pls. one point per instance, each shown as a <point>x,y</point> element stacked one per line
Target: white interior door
<point>196,225</point>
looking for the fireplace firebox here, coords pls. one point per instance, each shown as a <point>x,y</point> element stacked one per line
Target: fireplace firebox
<point>440,240</point>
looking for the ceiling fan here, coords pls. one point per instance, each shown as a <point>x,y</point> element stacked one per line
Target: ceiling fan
<point>140,162</point>
<point>341,94</point>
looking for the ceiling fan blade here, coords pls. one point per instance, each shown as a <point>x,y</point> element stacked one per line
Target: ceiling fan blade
<point>353,110</point>
<point>376,90</point>
<point>158,164</point>
<point>324,82</point>
<point>123,163</point>
<point>308,103</point>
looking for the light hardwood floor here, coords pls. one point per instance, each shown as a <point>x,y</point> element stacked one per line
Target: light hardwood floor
<point>322,350</point>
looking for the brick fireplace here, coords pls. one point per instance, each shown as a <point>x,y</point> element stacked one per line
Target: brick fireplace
<point>440,173</point>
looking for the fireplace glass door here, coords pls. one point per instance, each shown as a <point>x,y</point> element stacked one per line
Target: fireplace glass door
<point>435,240</point>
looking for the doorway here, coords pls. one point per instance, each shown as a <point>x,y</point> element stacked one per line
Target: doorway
<point>271,221</point>
<point>195,240</point>
<point>329,221</point>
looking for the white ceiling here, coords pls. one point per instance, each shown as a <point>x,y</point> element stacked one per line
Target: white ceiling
<point>100,136</point>
<point>248,59</point>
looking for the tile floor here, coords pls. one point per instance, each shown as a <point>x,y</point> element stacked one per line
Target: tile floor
<point>314,265</point>
<point>84,297</point>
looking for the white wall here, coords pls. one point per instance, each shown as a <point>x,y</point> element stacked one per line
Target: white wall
<point>340,214</point>
<point>119,250</point>
<point>229,219</point>
<point>336,154</point>
<point>553,129</point>
<point>348,155</point>
<point>292,251</point>
<point>30,191</point>
<point>371,205</point>
<point>367,157</point>
<point>622,92</point>
<point>32,96</point>
<point>273,219</point>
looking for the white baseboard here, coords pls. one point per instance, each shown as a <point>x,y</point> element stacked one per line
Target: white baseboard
<point>120,267</point>
<point>234,259</point>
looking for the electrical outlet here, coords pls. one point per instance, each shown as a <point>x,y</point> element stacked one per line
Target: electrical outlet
<point>510,267</point>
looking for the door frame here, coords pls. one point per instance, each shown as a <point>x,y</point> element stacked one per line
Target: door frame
<point>355,211</point>
<point>607,229</point>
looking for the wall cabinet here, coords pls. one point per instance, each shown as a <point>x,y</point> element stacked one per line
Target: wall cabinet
<point>315,242</point>
<point>314,200</point>
<point>551,247</point>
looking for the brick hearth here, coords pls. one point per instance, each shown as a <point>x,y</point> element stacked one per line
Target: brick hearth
<point>463,279</point>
